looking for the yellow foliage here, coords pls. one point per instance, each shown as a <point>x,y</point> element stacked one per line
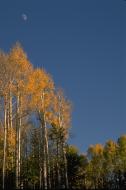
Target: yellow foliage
<point>19,57</point>
<point>96,150</point>
<point>62,110</point>
<point>40,88</point>
<point>110,147</point>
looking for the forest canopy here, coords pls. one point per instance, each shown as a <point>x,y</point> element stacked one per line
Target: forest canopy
<point>35,118</point>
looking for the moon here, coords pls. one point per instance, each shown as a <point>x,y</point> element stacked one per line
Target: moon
<point>24,17</point>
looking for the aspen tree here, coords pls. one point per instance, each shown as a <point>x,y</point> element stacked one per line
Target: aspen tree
<point>95,153</point>
<point>61,120</point>
<point>22,67</point>
<point>4,90</point>
<point>41,86</point>
<point>26,91</point>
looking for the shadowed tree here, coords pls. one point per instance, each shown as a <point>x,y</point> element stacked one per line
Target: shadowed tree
<point>61,122</point>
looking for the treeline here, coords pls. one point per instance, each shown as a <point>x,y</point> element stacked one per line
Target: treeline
<point>102,167</point>
<point>35,119</point>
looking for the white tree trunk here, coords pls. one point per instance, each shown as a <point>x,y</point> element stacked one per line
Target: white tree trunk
<point>65,167</point>
<point>44,153</point>
<point>11,125</point>
<point>45,169</point>
<point>40,166</point>
<point>58,167</point>
<point>44,149</point>
<point>18,143</point>
<point>47,154</point>
<point>45,145</point>
<point>5,140</point>
<point>10,107</point>
<point>19,148</point>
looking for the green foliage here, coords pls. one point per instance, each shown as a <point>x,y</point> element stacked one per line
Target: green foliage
<point>76,167</point>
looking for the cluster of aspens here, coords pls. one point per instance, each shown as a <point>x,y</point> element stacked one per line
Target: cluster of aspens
<point>34,124</point>
<point>102,167</point>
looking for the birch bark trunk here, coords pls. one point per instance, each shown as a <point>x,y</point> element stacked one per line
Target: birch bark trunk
<point>44,155</point>
<point>5,140</point>
<point>18,140</point>
<point>11,124</point>
<point>65,166</point>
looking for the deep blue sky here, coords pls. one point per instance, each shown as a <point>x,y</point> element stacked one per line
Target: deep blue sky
<point>82,44</point>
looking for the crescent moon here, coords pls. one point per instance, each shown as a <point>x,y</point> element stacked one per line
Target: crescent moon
<point>24,17</point>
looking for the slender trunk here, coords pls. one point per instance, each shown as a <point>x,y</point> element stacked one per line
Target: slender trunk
<point>8,135</point>
<point>26,149</point>
<point>11,126</point>
<point>45,145</point>
<point>40,165</point>
<point>58,167</point>
<point>44,168</point>
<point>17,160</point>
<point>58,142</point>
<point>5,141</point>
<point>10,108</point>
<point>19,152</point>
<point>17,142</point>
<point>18,139</point>
<point>47,154</point>
<point>65,166</point>
<point>40,178</point>
<point>53,174</point>
<point>8,114</point>
<point>44,151</point>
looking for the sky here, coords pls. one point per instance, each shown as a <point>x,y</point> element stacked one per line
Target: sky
<point>82,44</point>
